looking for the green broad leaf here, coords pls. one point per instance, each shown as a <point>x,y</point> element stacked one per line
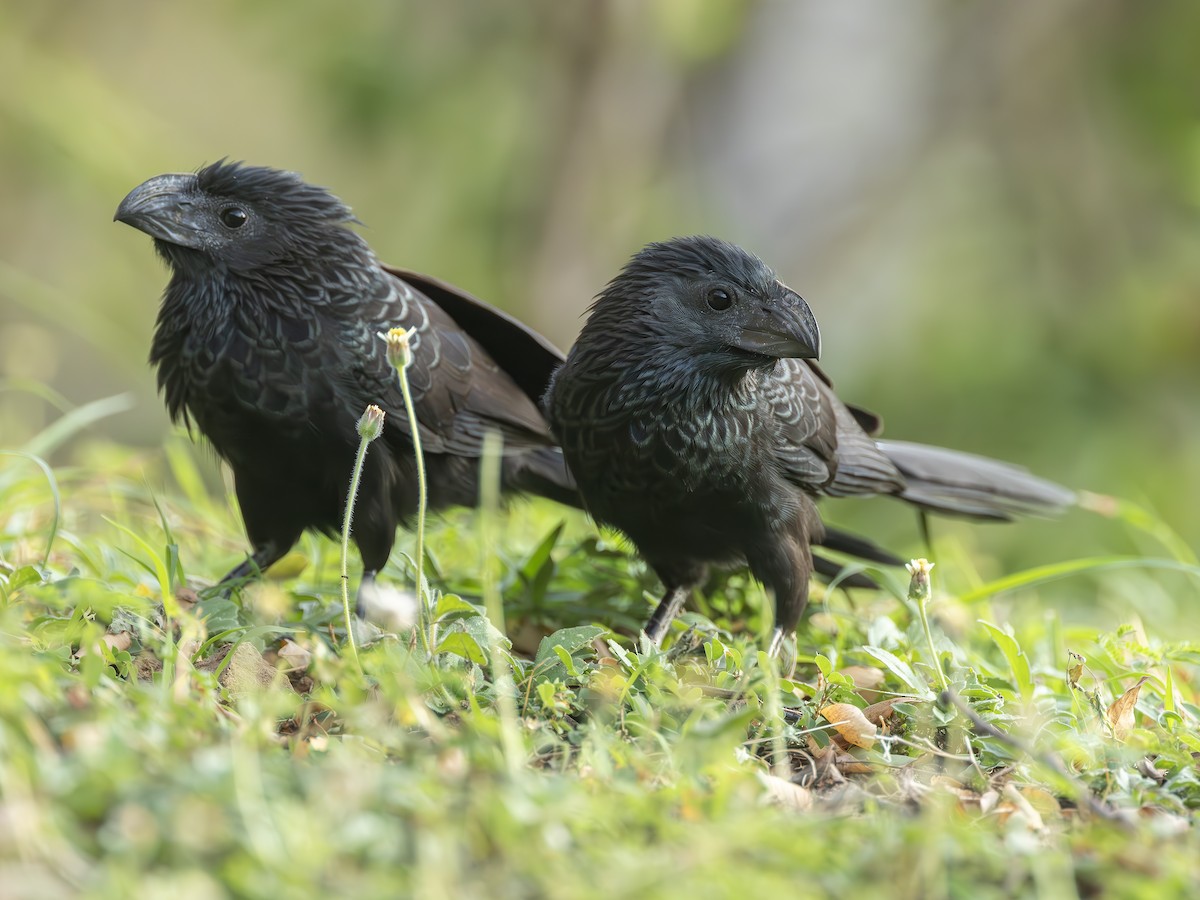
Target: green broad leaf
<point>538,559</point>
<point>460,643</point>
<point>901,670</point>
<point>452,603</point>
<point>1190,741</point>
<point>571,640</point>
<point>620,653</point>
<point>1018,662</point>
<point>546,693</point>
<point>220,614</point>
<point>484,632</point>
<point>23,577</point>
<point>714,650</point>
<point>568,661</point>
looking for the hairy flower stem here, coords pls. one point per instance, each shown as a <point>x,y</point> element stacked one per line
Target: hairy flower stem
<point>399,354</point>
<point>369,427</point>
<point>919,591</point>
<point>425,615</point>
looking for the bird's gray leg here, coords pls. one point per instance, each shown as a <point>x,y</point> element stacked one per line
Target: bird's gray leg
<point>664,613</point>
<point>252,567</point>
<point>366,585</point>
<point>778,636</point>
<point>783,566</point>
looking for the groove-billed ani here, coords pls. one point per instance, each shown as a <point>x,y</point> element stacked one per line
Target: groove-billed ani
<point>694,419</point>
<point>268,340</point>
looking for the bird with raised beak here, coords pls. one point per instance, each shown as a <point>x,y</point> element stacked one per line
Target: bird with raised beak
<point>695,420</point>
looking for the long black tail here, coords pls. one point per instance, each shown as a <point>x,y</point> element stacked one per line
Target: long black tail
<point>954,483</point>
<point>857,547</point>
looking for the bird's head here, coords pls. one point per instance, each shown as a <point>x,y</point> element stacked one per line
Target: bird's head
<point>711,298</point>
<point>235,216</point>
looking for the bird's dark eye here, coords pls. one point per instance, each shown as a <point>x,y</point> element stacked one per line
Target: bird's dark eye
<point>719,299</point>
<point>233,217</point>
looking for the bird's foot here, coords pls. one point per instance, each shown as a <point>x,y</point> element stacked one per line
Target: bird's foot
<point>390,607</point>
<point>783,648</point>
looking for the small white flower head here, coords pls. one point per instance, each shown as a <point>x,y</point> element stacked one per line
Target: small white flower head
<point>370,426</point>
<point>399,346</point>
<point>918,585</point>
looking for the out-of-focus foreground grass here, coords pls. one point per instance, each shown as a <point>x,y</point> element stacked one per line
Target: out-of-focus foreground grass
<point>156,739</point>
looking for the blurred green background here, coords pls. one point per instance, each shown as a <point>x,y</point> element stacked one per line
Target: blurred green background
<point>992,208</point>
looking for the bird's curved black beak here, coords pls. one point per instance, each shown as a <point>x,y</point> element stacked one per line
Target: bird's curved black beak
<point>162,208</point>
<point>781,328</point>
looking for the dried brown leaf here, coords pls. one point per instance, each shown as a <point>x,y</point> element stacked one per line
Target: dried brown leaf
<point>118,642</point>
<point>293,657</point>
<point>878,713</point>
<point>784,793</point>
<point>1147,768</point>
<point>1075,670</point>
<point>115,643</point>
<point>851,724</point>
<point>852,765</point>
<point>1120,715</point>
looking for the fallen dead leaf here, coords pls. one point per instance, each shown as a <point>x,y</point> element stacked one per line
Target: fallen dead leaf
<point>1147,768</point>
<point>1121,714</point>
<point>851,724</point>
<point>118,642</point>
<point>781,792</point>
<point>122,640</point>
<point>852,765</point>
<point>1075,670</point>
<point>878,713</point>
<point>294,658</point>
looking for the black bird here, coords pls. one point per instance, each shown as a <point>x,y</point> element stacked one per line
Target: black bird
<point>268,341</point>
<point>695,420</point>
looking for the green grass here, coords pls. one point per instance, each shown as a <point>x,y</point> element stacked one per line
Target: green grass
<point>151,743</point>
